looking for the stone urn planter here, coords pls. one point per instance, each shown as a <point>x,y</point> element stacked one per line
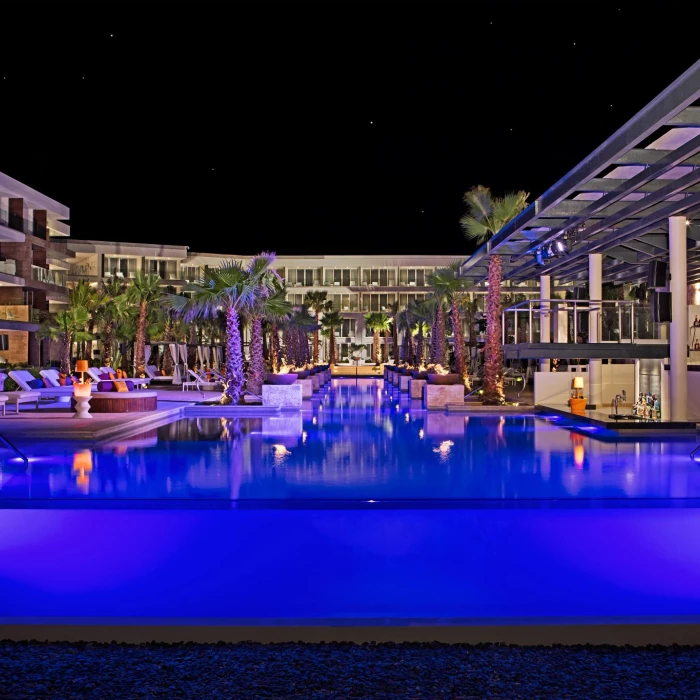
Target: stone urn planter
<point>416,374</point>
<point>304,374</point>
<point>444,379</point>
<point>280,379</point>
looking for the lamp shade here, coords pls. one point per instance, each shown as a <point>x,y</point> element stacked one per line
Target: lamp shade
<point>81,366</point>
<point>577,383</point>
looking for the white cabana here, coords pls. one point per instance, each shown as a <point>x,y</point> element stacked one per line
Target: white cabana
<point>177,378</point>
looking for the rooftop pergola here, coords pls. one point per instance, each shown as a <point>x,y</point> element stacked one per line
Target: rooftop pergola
<point>616,202</point>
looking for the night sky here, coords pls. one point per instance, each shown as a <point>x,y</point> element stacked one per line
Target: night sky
<point>325,128</point>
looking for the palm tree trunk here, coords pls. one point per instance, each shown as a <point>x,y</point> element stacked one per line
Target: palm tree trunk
<point>256,368</point>
<point>440,357</point>
<point>65,354</point>
<point>107,344</point>
<point>274,349</point>
<point>493,350</point>
<point>315,356</point>
<point>375,346</point>
<point>395,340</point>
<point>461,365</point>
<point>234,360</point>
<point>419,345</point>
<point>168,364</point>
<point>385,348</point>
<point>331,345</point>
<point>191,347</point>
<point>140,348</point>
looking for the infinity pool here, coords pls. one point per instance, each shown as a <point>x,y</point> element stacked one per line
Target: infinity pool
<point>363,508</point>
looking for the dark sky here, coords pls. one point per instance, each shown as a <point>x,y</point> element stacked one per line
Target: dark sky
<point>325,128</point>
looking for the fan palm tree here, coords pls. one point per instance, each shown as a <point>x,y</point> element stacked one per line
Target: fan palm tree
<point>330,321</point>
<point>378,323</point>
<point>404,321</point>
<point>423,316</point>
<point>318,303</point>
<point>233,288</point>
<point>274,308</point>
<point>69,327</point>
<point>109,314</point>
<point>450,286</point>
<point>144,291</point>
<point>393,310</point>
<point>486,216</point>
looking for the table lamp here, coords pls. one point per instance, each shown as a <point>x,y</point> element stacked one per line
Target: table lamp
<point>577,386</point>
<point>82,367</point>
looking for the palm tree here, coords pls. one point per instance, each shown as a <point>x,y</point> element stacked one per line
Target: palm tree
<point>486,216</point>
<point>272,307</point>
<point>449,285</point>
<point>318,303</point>
<point>233,288</point>
<point>68,327</point>
<point>144,292</point>
<point>404,321</point>
<point>393,310</point>
<point>422,313</point>
<point>374,322</point>
<point>109,314</point>
<point>438,340</point>
<point>330,321</point>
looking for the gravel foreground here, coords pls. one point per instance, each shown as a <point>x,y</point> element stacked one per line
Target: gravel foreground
<point>44,670</point>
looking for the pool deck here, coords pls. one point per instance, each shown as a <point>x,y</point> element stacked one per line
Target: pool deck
<point>601,419</point>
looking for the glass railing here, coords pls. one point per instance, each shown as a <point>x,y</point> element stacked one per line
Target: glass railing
<point>18,223</point>
<point>55,277</point>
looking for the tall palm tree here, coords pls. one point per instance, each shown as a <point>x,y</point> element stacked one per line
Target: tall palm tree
<point>144,291</point>
<point>68,326</point>
<point>233,288</point>
<point>330,321</point>
<point>318,303</point>
<point>486,216</point>
<point>404,321</point>
<point>449,285</point>
<point>393,310</point>
<point>272,307</point>
<point>109,314</point>
<point>377,323</point>
<point>422,312</point>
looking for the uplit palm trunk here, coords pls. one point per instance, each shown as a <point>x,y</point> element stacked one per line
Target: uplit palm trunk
<point>274,348</point>
<point>140,348</point>
<point>375,346</point>
<point>395,341</point>
<point>440,342</point>
<point>191,347</point>
<point>316,339</point>
<point>168,364</point>
<point>256,368</point>
<point>385,349</point>
<point>107,345</point>
<point>460,364</point>
<point>331,350</point>
<point>493,351</point>
<point>419,344</point>
<point>233,373</point>
<point>65,354</point>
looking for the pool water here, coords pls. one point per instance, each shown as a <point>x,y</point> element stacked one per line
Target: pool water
<point>361,508</point>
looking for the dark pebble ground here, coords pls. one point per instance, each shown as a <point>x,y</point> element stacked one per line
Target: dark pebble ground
<point>37,670</point>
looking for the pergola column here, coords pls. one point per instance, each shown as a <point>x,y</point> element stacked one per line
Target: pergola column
<point>545,293</point>
<point>678,335</point>
<point>595,293</point>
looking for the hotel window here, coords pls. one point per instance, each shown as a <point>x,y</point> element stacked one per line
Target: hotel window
<point>301,277</point>
<point>379,277</point>
<point>165,269</point>
<point>378,302</point>
<point>347,328</point>
<point>5,341</point>
<point>339,277</point>
<point>191,274</point>
<point>295,299</point>
<point>405,299</point>
<point>344,302</point>
<point>414,276</point>
<point>120,267</point>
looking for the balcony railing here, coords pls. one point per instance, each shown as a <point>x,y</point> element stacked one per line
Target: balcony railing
<point>18,223</point>
<point>55,277</point>
<point>8,267</point>
<point>576,321</point>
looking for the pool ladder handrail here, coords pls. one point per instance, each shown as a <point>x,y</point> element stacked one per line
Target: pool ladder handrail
<point>693,453</point>
<point>21,455</point>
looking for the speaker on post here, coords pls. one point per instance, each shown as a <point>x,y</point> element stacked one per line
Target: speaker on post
<point>658,273</point>
<point>661,307</point>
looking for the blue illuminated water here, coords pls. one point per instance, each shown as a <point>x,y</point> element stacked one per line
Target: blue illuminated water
<point>362,508</point>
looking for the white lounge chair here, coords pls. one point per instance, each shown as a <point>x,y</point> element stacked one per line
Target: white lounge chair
<point>23,377</point>
<point>17,397</point>
<point>152,372</point>
<point>200,381</point>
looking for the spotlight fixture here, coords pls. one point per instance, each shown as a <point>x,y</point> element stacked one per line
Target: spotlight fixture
<point>561,247</point>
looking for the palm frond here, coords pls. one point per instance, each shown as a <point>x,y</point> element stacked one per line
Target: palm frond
<point>473,229</point>
<point>479,202</point>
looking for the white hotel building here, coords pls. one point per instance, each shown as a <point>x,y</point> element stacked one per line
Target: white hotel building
<point>356,284</point>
